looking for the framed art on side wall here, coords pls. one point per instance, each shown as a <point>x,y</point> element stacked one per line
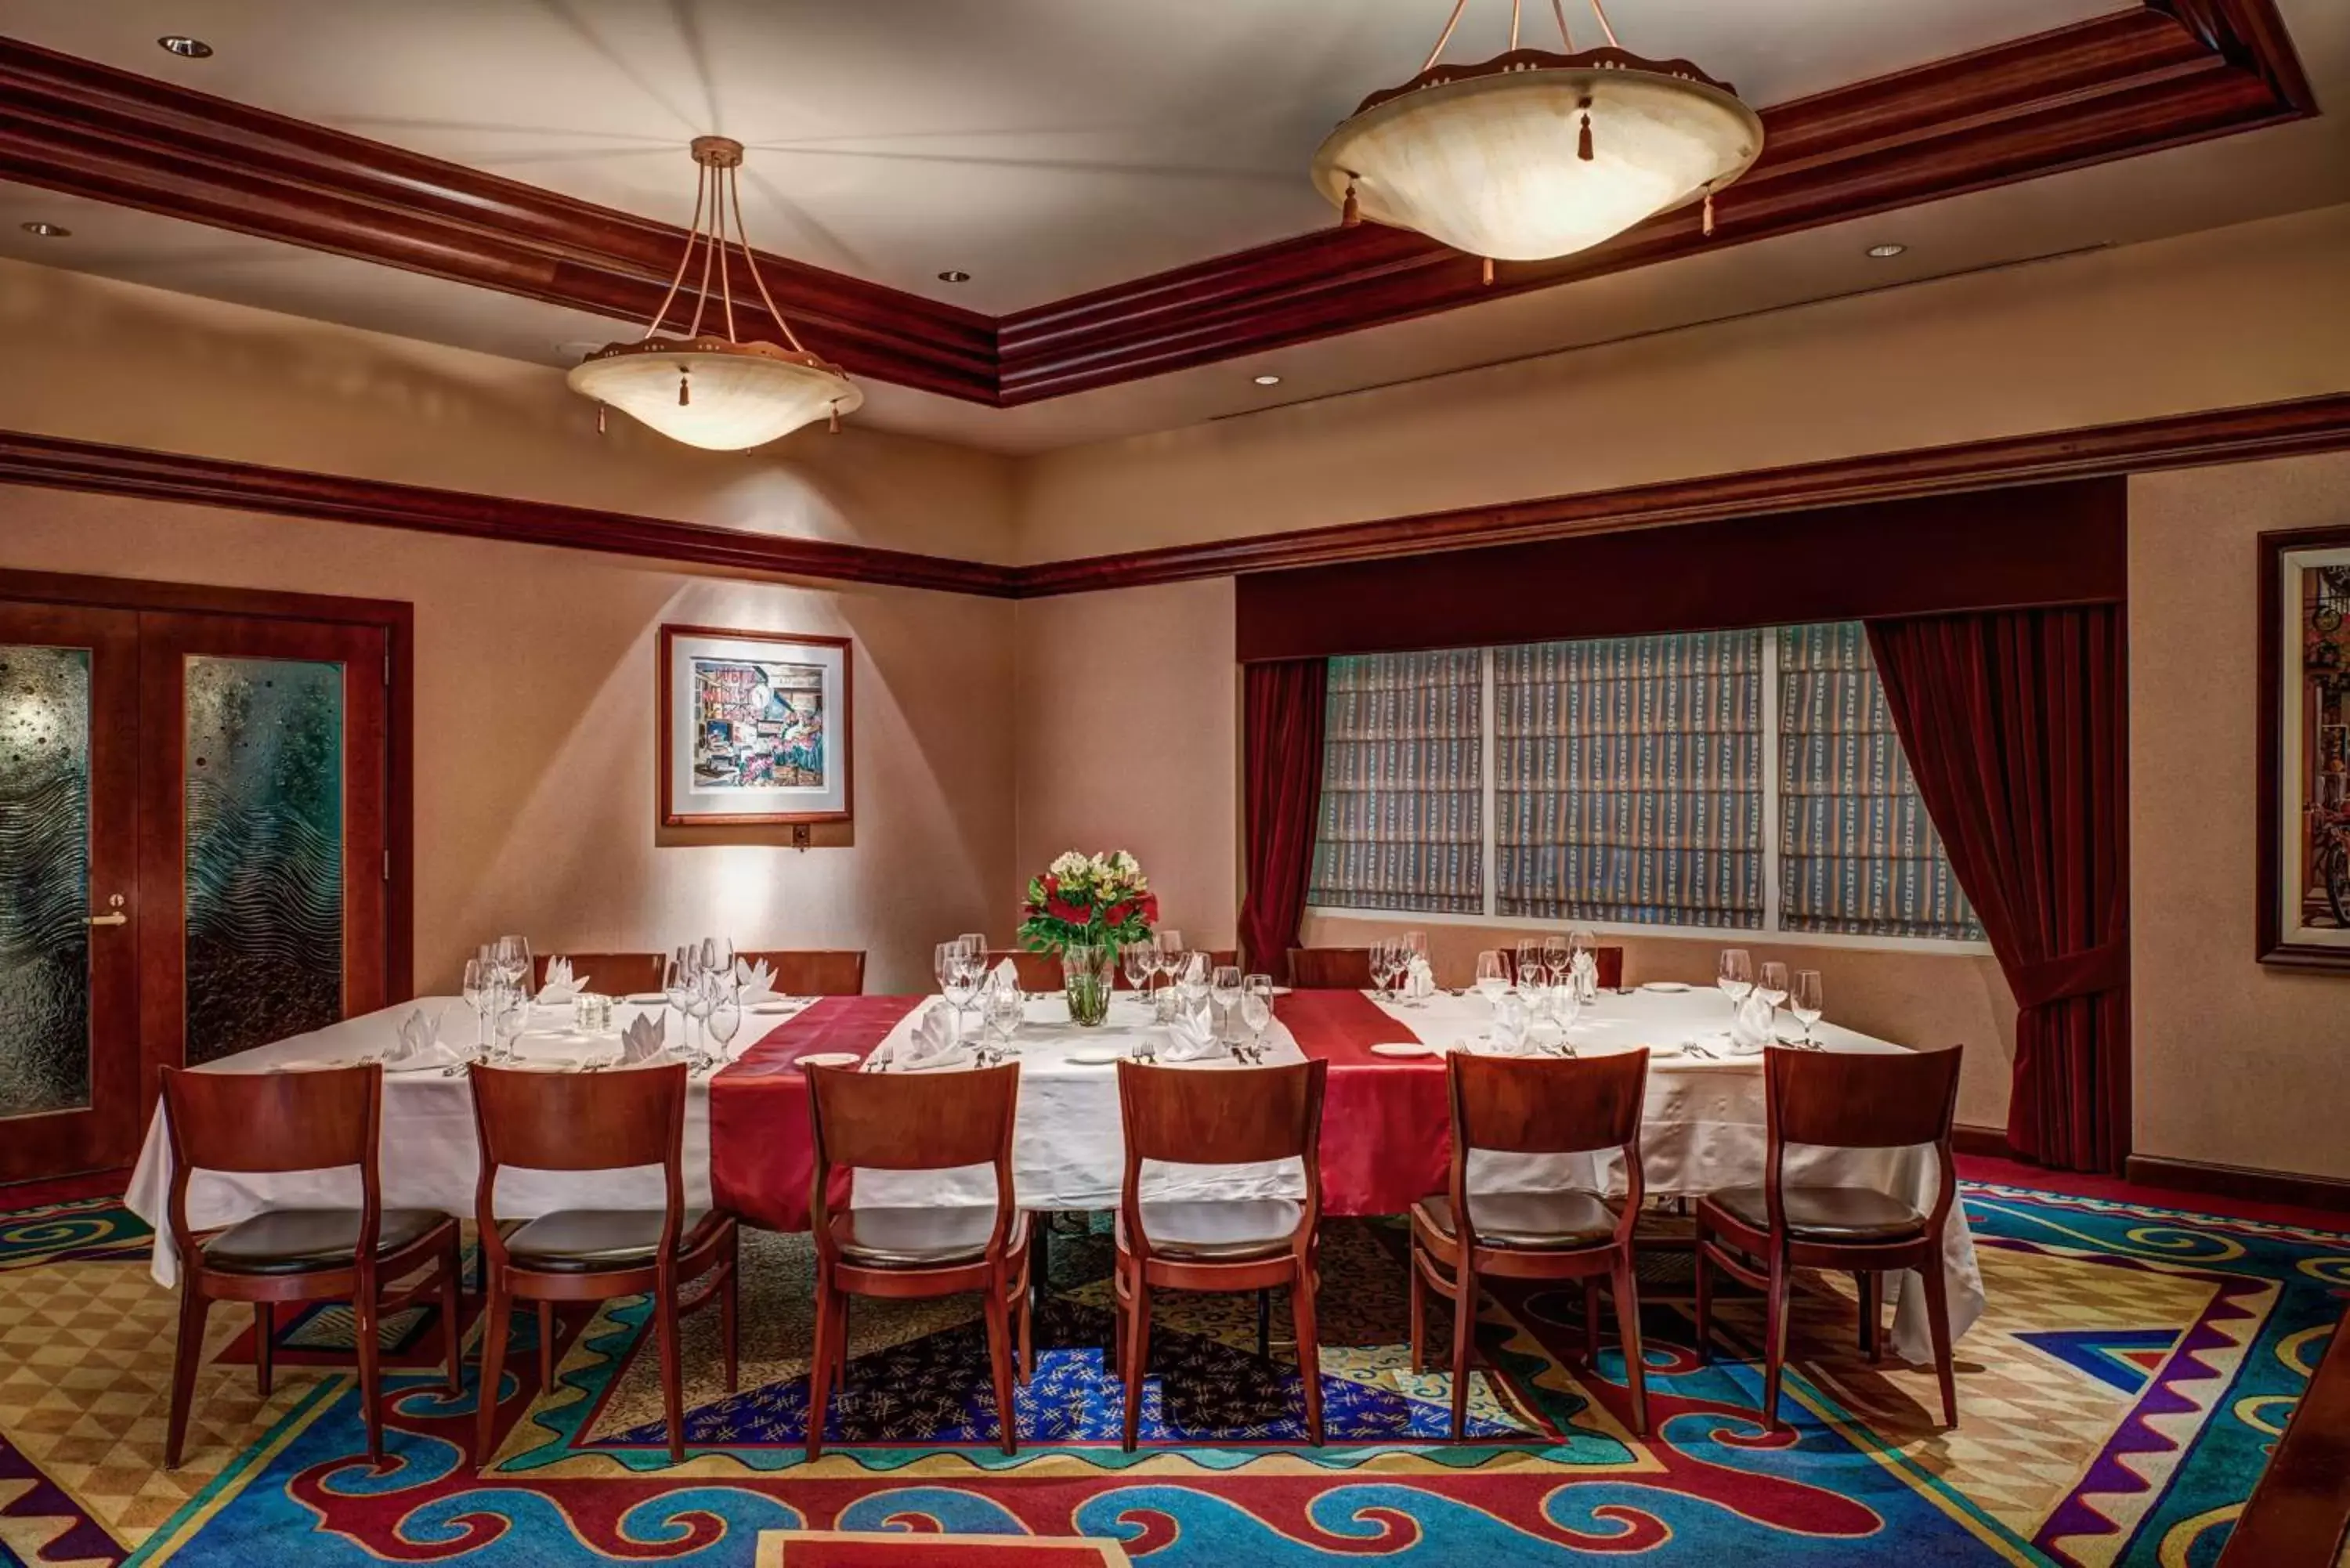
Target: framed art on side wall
<point>754,727</point>
<point>2305,773</point>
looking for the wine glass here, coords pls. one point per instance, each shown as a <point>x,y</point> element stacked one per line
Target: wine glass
<point>679,982</point>
<point>1772,986</point>
<point>1557,959</point>
<point>1735,975</point>
<point>959,977</point>
<point>509,1016</point>
<point>1415,958</point>
<point>1224,986</point>
<point>1193,980</point>
<point>1140,961</point>
<point>1493,975</point>
<point>1529,965</point>
<point>718,956</point>
<point>511,955</point>
<point>1257,1011</point>
<point>699,1007</point>
<point>974,947</point>
<point>481,975</point>
<point>1804,1002</point>
<point>725,1018</point>
<point>1383,962</point>
<point>1578,945</point>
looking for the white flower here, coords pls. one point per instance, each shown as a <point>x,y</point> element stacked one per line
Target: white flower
<point>1068,863</point>
<point>1126,864</point>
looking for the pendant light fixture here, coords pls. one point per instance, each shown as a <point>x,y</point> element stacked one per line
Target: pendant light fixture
<point>721,393</point>
<point>1533,155</point>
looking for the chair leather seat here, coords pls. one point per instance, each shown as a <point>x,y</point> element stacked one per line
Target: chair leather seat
<point>1826,1213</point>
<point>887,1238</point>
<point>592,1240</point>
<point>1231,1231</point>
<point>1561,1220</point>
<point>307,1240</point>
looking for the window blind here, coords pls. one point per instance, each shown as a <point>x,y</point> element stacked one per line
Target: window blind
<point>1402,784</point>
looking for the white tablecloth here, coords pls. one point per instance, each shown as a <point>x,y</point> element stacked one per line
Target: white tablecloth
<point>430,1156</point>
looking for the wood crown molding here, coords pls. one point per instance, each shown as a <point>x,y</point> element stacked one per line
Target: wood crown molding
<point>2185,441</point>
<point>2167,72</point>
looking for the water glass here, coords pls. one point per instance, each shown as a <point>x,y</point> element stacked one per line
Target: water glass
<point>1735,975</point>
<point>1225,987</point>
<point>1140,961</point>
<point>481,977</point>
<point>1493,975</point>
<point>1804,1000</point>
<point>1773,984</point>
<point>511,955</point>
<point>1528,970</point>
<point>725,1020</point>
<point>1558,960</point>
<point>1256,1010</point>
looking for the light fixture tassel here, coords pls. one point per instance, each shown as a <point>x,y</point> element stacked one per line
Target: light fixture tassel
<point>1709,214</point>
<point>1583,138</point>
<point>685,394</point>
<point>1489,271</point>
<point>1350,215</point>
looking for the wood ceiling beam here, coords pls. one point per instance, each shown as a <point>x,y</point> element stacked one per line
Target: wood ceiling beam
<point>2168,72</point>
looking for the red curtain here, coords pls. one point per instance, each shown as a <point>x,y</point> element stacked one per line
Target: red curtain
<point>1282,710</point>
<point>2015,722</point>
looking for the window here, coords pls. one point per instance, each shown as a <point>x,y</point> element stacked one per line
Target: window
<point>1719,781</point>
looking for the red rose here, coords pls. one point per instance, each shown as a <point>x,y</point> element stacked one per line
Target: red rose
<point>1150,909</point>
<point>1116,914</point>
<point>1060,909</point>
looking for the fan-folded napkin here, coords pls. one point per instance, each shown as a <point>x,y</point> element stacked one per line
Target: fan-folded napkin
<point>418,1045</point>
<point>757,981</point>
<point>1190,1037</point>
<point>645,1040</point>
<point>561,985</point>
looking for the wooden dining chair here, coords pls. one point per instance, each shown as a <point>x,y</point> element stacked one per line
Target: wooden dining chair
<point>608,974</point>
<point>1330,969</point>
<point>1535,1105</point>
<point>937,1121</point>
<point>1037,971</point>
<point>595,1121</point>
<point>257,1123</point>
<point>813,971</point>
<point>1759,1235</point>
<point>1218,1116</point>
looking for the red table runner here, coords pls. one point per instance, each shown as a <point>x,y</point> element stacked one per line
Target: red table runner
<point>762,1156</point>
<point>1384,1137</point>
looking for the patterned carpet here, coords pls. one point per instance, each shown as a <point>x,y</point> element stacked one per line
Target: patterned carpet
<point>2117,1402</point>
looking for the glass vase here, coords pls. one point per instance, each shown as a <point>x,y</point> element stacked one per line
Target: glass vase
<point>1087,974</point>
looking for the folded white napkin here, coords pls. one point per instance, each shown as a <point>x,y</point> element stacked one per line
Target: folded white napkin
<point>561,985</point>
<point>1006,973</point>
<point>1750,1030</point>
<point>1420,980</point>
<point>932,1039</point>
<point>645,1040</point>
<point>1190,1037</point>
<point>418,1045</point>
<point>1587,976</point>
<point>756,980</point>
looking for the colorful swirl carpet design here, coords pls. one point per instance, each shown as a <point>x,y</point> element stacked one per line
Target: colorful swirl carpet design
<point>2117,1403</point>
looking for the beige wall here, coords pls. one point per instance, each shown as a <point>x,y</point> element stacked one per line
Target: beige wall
<point>534,774</point>
<point>2237,1064</point>
<point>2243,315</point>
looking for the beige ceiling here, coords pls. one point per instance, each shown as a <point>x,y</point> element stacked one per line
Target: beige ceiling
<point>1048,145</point>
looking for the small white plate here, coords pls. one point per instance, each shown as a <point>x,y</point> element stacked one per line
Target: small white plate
<point>1404,1048</point>
<point>1094,1056</point>
<point>769,1008</point>
<point>1669,987</point>
<point>830,1059</point>
<point>547,1065</point>
<point>308,1064</point>
<point>648,999</point>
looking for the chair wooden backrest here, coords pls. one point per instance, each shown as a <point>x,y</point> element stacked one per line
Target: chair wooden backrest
<point>1242,1115</point>
<point>580,1121</point>
<point>1610,961</point>
<point>1532,1104</point>
<point>1861,1099</point>
<point>911,1121</point>
<point>608,974</point>
<point>1037,971</point>
<point>254,1123</point>
<point>813,971</point>
<point>1330,969</point>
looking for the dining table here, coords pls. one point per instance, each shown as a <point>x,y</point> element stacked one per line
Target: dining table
<point>1385,1135</point>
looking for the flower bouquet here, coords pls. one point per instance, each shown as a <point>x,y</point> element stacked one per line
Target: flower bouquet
<point>1085,907</point>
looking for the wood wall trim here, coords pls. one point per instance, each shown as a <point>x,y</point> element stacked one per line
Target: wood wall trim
<point>57,463</point>
<point>2247,434</point>
<point>2241,1182</point>
<point>2184,440</point>
<point>1989,1143</point>
<point>2167,72</point>
<point>2113,87</point>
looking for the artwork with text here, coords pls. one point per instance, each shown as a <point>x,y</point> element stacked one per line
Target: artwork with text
<point>761,724</point>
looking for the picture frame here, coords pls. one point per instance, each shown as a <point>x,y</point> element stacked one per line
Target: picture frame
<point>2303,876</point>
<point>754,727</point>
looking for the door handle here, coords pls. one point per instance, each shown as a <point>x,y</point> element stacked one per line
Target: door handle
<point>116,918</point>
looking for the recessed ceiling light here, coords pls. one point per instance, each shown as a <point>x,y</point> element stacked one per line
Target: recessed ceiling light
<point>1885,252</point>
<point>1268,381</point>
<point>187,48</point>
<point>954,275</point>
<point>48,231</point>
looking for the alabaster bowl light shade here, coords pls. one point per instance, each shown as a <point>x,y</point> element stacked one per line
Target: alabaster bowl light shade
<point>739,395</point>
<point>1490,164</point>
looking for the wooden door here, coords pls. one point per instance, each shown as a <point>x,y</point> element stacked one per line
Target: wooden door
<point>262,845</point>
<point>69,1050</point>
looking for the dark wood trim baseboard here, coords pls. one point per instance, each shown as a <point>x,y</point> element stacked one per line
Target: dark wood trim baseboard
<point>2138,446</point>
<point>1991,1142</point>
<point>57,463</point>
<point>2134,82</point>
<point>2187,441</point>
<point>2241,1182</point>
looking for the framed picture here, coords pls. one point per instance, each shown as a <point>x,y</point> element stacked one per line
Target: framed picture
<point>754,727</point>
<point>2304,776</point>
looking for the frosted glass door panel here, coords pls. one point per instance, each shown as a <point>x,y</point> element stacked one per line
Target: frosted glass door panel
<point>263,770</point>
<point>44,879</point>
